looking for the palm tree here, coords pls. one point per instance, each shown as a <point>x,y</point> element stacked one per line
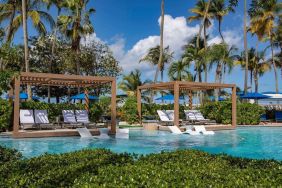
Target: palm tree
<point>257,65</point>
<point>246,48</point>
<point>12,10</point>
<point>179,70</point>
<point>202,12</point>
<point>223,57</point>
<point>131,81</point>
<point>153,58</point>
<point>263,14</point>
<point>195,55</point>
<point>76,23</point>
<point>160,62</point>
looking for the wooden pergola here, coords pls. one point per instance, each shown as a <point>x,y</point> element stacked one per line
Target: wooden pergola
<point>44,79</point>
<point>188,87</point>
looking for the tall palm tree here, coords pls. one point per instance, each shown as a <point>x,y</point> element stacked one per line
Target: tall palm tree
<point>263,15</point>
<point>246,48</point>
<point>179,70</point>
<point>202,12</point>
<point>12,12</point>
<point>131,81</point>
<point>76,23</point>
<point>160,62</point>
<point>153,58</point>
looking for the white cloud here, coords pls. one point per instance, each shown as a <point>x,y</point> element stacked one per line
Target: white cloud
<point>176,34</point>
<point>230,37</point>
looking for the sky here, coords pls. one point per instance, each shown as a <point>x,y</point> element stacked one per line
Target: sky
<point>131,27</point>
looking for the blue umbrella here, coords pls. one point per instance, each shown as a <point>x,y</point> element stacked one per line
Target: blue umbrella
<point>82,97</point>
<point>212,98</point>
<point>254,96</point>
<point>24,96</point>
<point>168,97</point>
<point>271,92</point>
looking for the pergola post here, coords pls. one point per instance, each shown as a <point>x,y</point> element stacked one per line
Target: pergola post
<point>234,106</point>
<point>139,105</point>
<point>16,106</point>
<point>176,104</point>
<point>113,107</point>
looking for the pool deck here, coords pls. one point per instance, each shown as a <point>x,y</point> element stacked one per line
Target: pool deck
<point>52,133</point>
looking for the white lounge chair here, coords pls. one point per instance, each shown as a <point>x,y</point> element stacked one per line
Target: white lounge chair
<point>82,117</point>
<point>190,116</point>
<point>69,119</point>
<point>27,119</point>
<point>176,130</point>
<point>202,129</point>
<point>41,119</point>
<point>199,116</point>
<point>164,117</point>
<point>170,114</point>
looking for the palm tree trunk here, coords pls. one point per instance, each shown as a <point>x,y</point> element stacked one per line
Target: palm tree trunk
<point>10,28</point>
<point>251,79</point>
<point>256,81</point>
<point>26,53</point>
<point>217,80</point>
<point>202,25</point>
<point>219,30</point>
<point>161,42</point>
<point>205,43</point>
<point>246,48</point>
<point>274,66</point>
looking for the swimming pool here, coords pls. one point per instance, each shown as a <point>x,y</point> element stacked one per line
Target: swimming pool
<point>250,142</point>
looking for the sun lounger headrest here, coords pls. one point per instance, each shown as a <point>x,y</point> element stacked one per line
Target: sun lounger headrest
<point>200,128</point>
<point>69,116</point>
<point>41,116</point>
<point>163,116</point>
<point>26,117</point>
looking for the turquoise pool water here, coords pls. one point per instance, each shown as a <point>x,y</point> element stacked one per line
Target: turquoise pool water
<point>250,142</point>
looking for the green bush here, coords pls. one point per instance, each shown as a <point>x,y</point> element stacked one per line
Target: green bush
<point>129,111</point>
<point>8,155</point>
<point>102,168</point>
<point>247,114</point>
<point>5,114</point>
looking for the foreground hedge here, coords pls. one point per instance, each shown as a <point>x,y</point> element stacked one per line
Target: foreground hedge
<point>102,168</point>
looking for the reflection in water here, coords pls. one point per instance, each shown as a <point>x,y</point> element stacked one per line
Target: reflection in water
<point>245,142</point>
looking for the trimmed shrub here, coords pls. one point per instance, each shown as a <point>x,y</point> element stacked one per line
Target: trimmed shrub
<point>247,114</point>
<point>129,111</point>
<point>102,168</point>
<point>8,155</point>
<point>5,114</point>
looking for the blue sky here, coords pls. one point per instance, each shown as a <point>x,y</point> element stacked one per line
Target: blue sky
<point>130,27</point>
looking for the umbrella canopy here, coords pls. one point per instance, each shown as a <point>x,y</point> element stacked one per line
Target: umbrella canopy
<point>82,97</point>
<point>254,96</point>
<point>168,97</point>
<point>24,96</point>
<point>212,98</point>
<point>272,92</point>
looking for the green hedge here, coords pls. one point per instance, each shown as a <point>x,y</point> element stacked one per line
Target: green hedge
<point>5,114</point>
<point>102,168</point>
<point>247,114</point>
<point>8,155</point>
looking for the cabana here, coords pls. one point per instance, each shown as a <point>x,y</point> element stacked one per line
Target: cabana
<point>44,79</point>
<point>187,87</point>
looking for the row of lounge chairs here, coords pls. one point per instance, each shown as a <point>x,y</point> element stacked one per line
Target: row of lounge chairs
<point>192,117</point>
<point>196,130</point>
<point>39,119</point>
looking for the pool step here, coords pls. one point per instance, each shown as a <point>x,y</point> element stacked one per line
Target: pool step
<point>84,132</point>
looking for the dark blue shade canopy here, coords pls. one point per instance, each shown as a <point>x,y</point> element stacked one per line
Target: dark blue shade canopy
<point>168,97</point>
<point>82,97</point>
<point>24,96</point>
<point>254,96</point>
<point>271,92</point>
<point>212,98</point>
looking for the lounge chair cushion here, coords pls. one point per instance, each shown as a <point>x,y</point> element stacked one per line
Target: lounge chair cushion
<point>41,117</point>
<point>69,116</point>
<point>163,116</point>
<point>82,116</point>
<point>26,117</point>
<point>170,114</point>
